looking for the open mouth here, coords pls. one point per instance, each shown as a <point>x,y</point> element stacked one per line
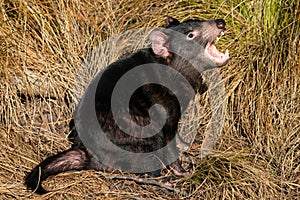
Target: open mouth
<point>215,55</point>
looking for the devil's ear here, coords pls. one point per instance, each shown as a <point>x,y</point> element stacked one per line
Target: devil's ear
<point>171,21</point>
<point>159,40</point>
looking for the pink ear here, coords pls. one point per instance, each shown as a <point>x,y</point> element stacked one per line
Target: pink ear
<point>158,40</point>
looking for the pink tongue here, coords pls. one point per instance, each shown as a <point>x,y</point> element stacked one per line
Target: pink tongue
<point>213,51</point>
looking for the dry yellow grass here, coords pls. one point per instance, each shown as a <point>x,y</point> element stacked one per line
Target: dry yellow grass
<point>43,44</point>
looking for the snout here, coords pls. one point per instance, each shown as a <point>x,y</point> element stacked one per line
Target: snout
<point>217,57</point>
<point>220,23</point>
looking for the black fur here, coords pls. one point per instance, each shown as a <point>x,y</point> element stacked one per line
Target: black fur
<point>81,158</point>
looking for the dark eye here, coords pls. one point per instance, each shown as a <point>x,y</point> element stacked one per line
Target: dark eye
<point>190,35</point>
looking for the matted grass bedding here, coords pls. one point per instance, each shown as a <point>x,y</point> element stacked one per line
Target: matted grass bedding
<point>44,45</point>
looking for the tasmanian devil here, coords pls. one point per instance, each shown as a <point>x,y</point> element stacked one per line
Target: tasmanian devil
<point>169,73</point>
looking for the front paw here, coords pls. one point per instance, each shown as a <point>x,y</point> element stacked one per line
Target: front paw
<point>178,170</point>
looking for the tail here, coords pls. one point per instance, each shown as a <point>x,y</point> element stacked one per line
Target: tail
<point>72,159</point>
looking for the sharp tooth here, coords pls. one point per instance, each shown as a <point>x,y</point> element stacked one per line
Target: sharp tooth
<point>217,38</point>
<point>222,33</point>
<point>227,53</point>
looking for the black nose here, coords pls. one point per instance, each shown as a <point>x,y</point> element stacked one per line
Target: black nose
<point>220,23</point>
